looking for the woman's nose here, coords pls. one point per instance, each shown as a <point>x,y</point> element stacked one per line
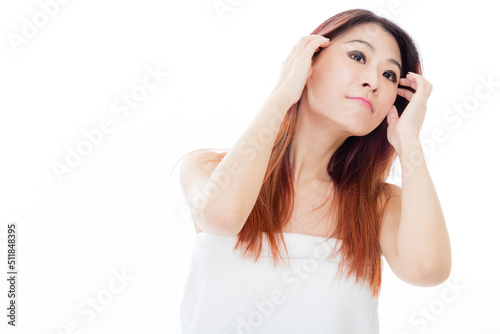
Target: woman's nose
<point>370,80</point>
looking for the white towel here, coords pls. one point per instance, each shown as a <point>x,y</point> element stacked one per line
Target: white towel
<point>227,294</point>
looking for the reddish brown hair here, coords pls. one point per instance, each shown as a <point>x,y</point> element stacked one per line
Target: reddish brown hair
<point>358,169</point>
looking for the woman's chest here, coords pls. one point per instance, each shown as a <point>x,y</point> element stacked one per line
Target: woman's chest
<point>311,214</point>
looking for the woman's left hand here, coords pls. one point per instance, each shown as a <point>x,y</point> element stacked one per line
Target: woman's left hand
<point>407,127</point>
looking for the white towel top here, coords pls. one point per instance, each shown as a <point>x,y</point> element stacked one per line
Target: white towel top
<point>228,294</point>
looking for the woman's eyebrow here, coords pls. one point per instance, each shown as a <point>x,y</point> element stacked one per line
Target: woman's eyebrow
<point>372,48</point>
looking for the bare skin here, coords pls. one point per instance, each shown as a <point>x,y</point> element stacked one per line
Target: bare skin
<point>326,117</point>
<point>413,236</point>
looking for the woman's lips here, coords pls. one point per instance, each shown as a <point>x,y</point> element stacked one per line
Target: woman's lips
<point>362,102</point>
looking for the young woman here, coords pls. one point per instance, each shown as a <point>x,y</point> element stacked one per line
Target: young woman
<point>307,179</point>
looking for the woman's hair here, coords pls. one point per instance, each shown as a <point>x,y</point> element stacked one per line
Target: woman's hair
<point>358,169</point>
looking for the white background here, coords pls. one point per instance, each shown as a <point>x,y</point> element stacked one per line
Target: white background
<point>121,208</point>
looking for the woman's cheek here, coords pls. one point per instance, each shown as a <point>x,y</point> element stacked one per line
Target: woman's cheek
<point>391,99</point>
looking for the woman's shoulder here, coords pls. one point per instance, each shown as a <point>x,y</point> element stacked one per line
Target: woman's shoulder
<point>390,194</point>
<point>204,157</point>
<point>395,190</point>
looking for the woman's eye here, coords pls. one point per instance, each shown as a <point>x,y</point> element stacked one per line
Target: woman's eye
<point>358,56</point>
<point>390,75</point>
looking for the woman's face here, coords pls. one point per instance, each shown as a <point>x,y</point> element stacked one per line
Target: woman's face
<point>368,68</point>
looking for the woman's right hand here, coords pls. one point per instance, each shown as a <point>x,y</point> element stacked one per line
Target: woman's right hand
<point>297,68</point>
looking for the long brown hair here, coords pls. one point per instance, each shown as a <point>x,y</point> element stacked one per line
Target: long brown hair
<point>358,170</point>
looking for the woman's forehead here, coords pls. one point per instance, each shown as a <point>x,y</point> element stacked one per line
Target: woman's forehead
<point>372,36</point>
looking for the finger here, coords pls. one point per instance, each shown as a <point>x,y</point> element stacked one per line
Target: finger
<point>424,86</point>
<point>417,79</point>
<point>405,93</point>
<point>323,42</point>
<point>316,43</point>
<point>392,115</point>
<point>305,40</point>
<point>423,83</point>
<point>299,45</point>
<point>408,82</point>
<point>313,47</point>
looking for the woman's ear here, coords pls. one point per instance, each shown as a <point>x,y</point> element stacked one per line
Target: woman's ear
<point>309,75</point>
<point>312,68</point>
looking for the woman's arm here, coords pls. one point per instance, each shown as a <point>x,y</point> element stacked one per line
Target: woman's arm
<point>234,186</point>
<point>232,190</point>
<point>418,244</point>
<point>414,238</point>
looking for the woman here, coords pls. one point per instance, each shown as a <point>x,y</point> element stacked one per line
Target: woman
<point>350,98</point>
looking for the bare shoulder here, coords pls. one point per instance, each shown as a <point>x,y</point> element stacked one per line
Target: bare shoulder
<point>195,171</point>
<point>395,189</point>
<point>199,159</point>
